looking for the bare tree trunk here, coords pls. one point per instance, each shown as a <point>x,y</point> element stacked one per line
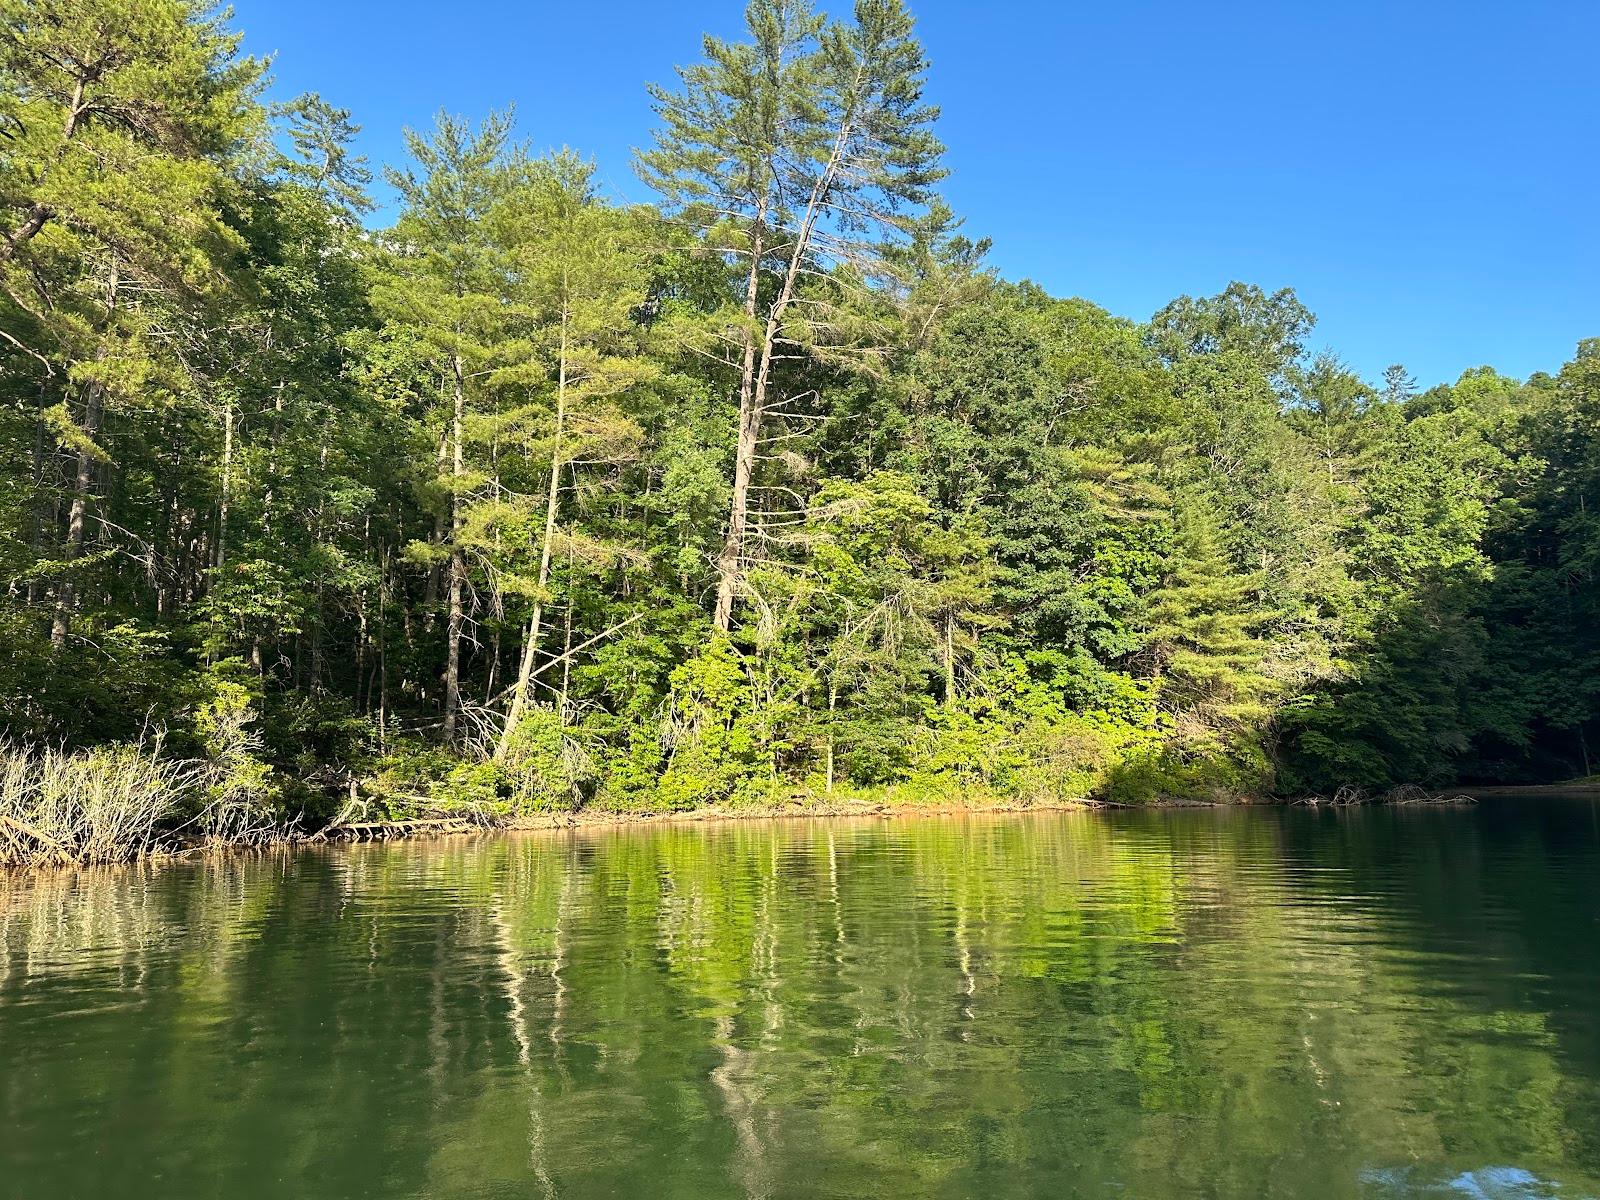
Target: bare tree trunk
<point>833,703</point>
<point>566,654</point>
<point>743,462</point>
<point>458,562</point>
<point>36,517</point>
<point>441,524</point>
<point>950,660</point>
<point>492,671</point>
<point>93,406</point>
<point>530,647</point>
<point>728,561</point>
<point>383,659</point>
<point>227,484</point>
<point>753,391</point>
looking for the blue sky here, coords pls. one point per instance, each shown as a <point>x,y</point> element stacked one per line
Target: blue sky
<point>1424,173</point>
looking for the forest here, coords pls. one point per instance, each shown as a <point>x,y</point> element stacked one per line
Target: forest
<point>519,499</point>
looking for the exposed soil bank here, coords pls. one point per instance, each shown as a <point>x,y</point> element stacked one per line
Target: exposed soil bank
<point>798,811</point>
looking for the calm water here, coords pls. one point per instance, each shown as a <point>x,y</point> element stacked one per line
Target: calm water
<point>1206,1003</point>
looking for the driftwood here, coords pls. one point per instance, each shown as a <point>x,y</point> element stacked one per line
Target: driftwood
<point>1400,797</point>
<point>29,831</point>
<point>63,855</point>
<point>383,831</point>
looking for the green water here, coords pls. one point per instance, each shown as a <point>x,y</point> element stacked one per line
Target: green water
<point>1200,1003</point>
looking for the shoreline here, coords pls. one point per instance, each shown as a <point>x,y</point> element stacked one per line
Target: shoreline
<point>591,820</point>
<point>599,819</point>
<point>811,810</point>
<point>718,814</point>
<point>430,829</point>
<point>586,819</point>
<point>1584,788</point>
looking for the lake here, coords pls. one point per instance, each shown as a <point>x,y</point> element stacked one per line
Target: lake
<point>1229,1002</point>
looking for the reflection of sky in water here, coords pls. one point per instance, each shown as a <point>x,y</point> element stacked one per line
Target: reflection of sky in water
<point>1486,1183</point>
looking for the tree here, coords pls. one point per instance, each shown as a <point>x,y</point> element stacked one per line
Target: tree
<point>795,153</point>
<point>1269,330</point>
<point>444,285</point>
<point>896,598</point>
<point>580,275</point>
<point>119,119</point>
<point>299,470</point>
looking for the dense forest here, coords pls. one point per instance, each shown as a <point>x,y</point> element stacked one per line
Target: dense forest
<point>525,499</point>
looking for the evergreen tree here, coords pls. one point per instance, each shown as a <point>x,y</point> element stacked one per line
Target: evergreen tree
<point>795,154</point>
<point>580,269</point>
<point>119,121</point>
<point>443,289</point>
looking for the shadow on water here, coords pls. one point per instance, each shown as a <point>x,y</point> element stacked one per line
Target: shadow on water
<point>1184,1003</point>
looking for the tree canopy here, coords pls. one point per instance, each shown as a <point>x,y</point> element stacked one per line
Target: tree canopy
<point>532,499</point>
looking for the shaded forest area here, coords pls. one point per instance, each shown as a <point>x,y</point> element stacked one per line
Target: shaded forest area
<point>529,500</point>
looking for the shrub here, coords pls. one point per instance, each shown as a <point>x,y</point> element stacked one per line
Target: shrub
<point>481,790</point>
<point>720,740</point>
<point>104,804</point>
<point>548,764</point>
<point>242,801</point>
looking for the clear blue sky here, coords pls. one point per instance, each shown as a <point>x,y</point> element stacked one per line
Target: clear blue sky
<point>1423,172</point>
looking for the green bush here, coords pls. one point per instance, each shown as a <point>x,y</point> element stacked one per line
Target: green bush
<point>548,765</point>
<point>721,742</point>
<point>242,797</point>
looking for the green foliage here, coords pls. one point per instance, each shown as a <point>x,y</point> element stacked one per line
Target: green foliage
<point>444,512</point>
<point>548,765</point>
<point>721,736</point>
<point>242,795</point>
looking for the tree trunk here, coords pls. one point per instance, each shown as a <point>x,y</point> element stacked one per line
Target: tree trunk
<point>36,507</point>
<point>833,703</point>
<point>458,562</point>
<point>227,484</point>
<point>753,392</point>
<point>23,234</point>
<point>93,406</point>
<point>728,561</point>
<point>441,525</point>
<point>383,659</point>
<point>950,660</point>
<point>745,455</point>
<point>566,654</point>
<point>530,648</point>
<point>492,671</point>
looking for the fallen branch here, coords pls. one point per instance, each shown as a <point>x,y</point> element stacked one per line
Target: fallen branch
<point>29,831</point>
<point>565,655</point>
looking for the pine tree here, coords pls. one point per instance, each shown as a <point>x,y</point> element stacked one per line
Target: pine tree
<point>795,154</point>
<point>1201,646</point>
<point>444,286</point>
<point>120,116</point>
<point>579,267</point>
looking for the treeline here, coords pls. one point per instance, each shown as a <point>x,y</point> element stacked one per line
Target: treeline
<point>529,499</point>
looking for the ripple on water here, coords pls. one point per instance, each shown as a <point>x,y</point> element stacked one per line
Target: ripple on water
<point>1192,1003</point>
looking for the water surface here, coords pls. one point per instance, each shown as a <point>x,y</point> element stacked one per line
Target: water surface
<point>1369,1003</point>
